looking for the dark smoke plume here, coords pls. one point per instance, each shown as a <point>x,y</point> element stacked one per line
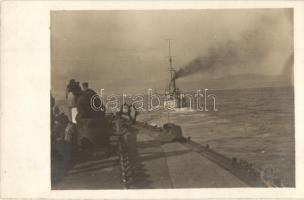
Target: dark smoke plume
<point>250,49</point>
<point>225,54</point>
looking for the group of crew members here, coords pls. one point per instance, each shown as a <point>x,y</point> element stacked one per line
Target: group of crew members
<point>79,101</point>
<point>64,135</point>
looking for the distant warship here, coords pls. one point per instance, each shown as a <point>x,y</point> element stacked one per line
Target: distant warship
<point>173,99</point>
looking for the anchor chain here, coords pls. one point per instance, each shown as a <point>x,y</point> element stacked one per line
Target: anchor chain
<point>125,167</point>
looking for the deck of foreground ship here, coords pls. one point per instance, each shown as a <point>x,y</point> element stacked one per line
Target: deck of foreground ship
<point>153,165</point>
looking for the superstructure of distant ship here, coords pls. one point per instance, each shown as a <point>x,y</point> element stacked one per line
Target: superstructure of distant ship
<point>174,99</point>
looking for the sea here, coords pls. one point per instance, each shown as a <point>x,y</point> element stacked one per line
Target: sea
<point>255,124</point>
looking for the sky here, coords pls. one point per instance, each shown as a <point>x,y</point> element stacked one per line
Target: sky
<point>127,51</point>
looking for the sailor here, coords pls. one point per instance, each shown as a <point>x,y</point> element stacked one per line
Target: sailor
<point>133,114</point>
<point>62,141</point>
<point>125,111</point>
<point>85,87</point>
<point>84,106</point>
<point>73,91</point>
<point>70,138</point>
<point>55,111</point>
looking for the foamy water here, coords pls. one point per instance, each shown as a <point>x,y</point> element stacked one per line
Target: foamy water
<point>254,124</point>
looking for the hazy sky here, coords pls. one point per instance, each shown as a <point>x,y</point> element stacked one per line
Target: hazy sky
<point>128,50</point>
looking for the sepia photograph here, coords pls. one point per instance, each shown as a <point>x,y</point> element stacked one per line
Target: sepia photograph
<point>164,99</point>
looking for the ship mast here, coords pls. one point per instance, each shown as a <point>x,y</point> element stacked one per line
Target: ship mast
<point>170,61</point>
<point>171,69</point>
